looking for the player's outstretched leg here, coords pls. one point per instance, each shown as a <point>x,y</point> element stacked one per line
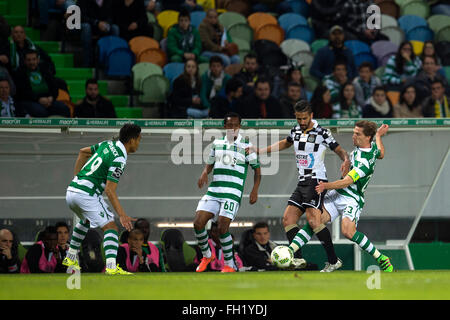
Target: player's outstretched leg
<point>200,221</point>
<point>78,235</point>
<point>110,246</point>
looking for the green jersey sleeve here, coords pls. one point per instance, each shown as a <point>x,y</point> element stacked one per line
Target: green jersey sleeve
<point>116,169</point>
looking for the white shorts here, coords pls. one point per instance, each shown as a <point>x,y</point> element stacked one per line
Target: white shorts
<point>337,204</point>
<point>219,207</point>
<point>92,208</point>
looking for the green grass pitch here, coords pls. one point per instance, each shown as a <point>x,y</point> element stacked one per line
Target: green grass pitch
<point>287,285</point>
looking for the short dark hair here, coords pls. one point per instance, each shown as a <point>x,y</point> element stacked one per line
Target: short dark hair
<point>251,55</point>
<point>379,88</point>
<point>431,57</point>
<point>233,85</point>
<point>135,231</point>
<point>31,51</point>
<point>339,62</point>
<point>139,221</point>
<point>129,131</point>
<point>438,81</point>
<point>232,115</point>
<point>62,224</point>
<point>90,81</point>
<point>263,80</point>
<point>46,232</point>
<point>216,59</point>
<point>294,84</point>
<point>303,106</point>
<point>369,128</point>
<point>184,13</point>
<point>366,64</point>
<point>260,225</point>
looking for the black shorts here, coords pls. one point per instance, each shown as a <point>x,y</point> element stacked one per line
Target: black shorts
<point>305,195</point>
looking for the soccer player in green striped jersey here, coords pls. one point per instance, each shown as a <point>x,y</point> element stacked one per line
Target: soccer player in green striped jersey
<point>228,160</point>
<point>98,168</point>
<point>347,195</point>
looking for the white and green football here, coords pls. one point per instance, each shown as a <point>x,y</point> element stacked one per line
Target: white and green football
<point>281,257</point>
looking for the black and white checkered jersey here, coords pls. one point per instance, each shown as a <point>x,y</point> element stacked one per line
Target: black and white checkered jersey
<point>310,146</point>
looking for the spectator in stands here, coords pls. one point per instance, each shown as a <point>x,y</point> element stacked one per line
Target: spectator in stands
<point>37,90</point>
<point>183,40</point>
<point>378,106</point>
<point>293,74</point>
<point>401,67</point>
<point>260,104</point>
<point>321,103</point>
<point>96,22</point>
<point>42,257</point>
<point>94,105</point>
<point>7,104</point>
<point>130,17</point>
<point>153,6</point>
<point>249,73</point>
<point>430,50</point>
<point>278,6</point>
<point>155,252</point>
<point>353,16</point>
<point>227,100</point>
<point>55,5</point>
<point>185,97</point>
<point>425,77</point>
<point>132,258</point>
<point>365,83</point>
<point>288,100</point>
<point>257,254</point>
<point>9,259</point>
<point>336,80</point>
<point>20,44</point>
<point>213,81</point>
<point>408,106</point>
<point>324,16</point>
<point>326,57</point>
<point>347,107</point>
<point>215,42</point>
<point>63,231</point>
<point>189,5</point>
<point>5,32</point>
<point>438,104</point>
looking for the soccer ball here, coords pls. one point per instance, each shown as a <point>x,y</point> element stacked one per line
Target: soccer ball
<point>282,256</point>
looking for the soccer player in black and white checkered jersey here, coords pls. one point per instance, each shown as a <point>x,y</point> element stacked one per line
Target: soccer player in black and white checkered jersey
<point>310,141</point>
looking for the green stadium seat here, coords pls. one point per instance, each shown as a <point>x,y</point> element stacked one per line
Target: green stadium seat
<point>317,44</point>
<point>119,100</point>
<point>142,70</point>
<point>417,8</point>
<point>129,113</point>
<point>443,35</point>
<point>3,8</point>
<point>155,89</point>
<point>33,34</point>
<point>202,68</point>
<point>241,31</point>
<point>74,73</point>
<point>49,46</point>
<point>77,87</point>
<point>18,7</point>
<point>14,20</point>
<point>62,60</point>
<point>447,73</point>
<point>227,19</point>
<point>438,21</point>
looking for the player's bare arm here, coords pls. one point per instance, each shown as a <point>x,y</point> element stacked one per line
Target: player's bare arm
<point>83,157</point>
<point>339,184</point>
<point>382,130</point>
<point>203,180</point>
<point>276,147</point>
<point>256,183</point>
<point>345,166</point>
<point>110,191</point>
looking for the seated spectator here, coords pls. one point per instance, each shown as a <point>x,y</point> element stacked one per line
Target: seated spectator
<point>437,105</point>
<point>277,6</point>
<point>401,67</point>
<point>288,100</point>
<point>257,254</point>
<point>185,97</point>
<point>353,17</point>
<point>227,100</point>
<point>153,6</point>
<point>42,257</point>
<point>189,5</point>
<point>154,251</point>
<point>260,104</point>
<point>294,74</point>
<point>425,77</point>
<point>94,105</point>
<point>132,258</point>
<point>365,83</point>
<point>96,22</point>
<point>7,107</point>
<point>335,80</point>
<point>37,90</point>
<point>326,57</point>
<point>215,40</point>
<point>321,103</point>
<point>63,231</point>
<point>378,106</point>
<point>249,73</point>
<point>213,81</point>
<point>347,106</point>
<point>183,41</point>
<point>430,50</point>
<point>20,44</point>
<point>130,17</point>
<point>9,258</point>
<point>408,106</point>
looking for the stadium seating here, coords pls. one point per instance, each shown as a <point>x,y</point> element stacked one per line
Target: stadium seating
<point>441,8</point>
<point>443,34</point>
<point>142,70</point>
<point>141,43</point>
<point>158,31</point>
<point>227,19</point>
<point>155,89</point>
<point>357,46</point>
<point>243,45</point>
<point>153,55</point>
<point>417,47</point>
<point>305,57</point>
<point>270,32</point>
<point>292,46</point>
<point>409,22</point>
<point>418,8</point>
<point>197,18</point>
<point>241,31</point>
<point>202,68</point>
<point>395,34</point>
<point>365,57</point>
<point>382,49</point>
<point>166,19</point>
<point>258,19</point>
<point>317,44</point>
<point>393,96</point>
<point>437,22</point>
<point>300,7</point>
<point>288,20</point>
<point>389,8</point>
<point>388,21</point>
<point>179,256</point>
<point>420,33</point>
<point>106,45</point>
<point>301,32</point>
<point>172,70</point>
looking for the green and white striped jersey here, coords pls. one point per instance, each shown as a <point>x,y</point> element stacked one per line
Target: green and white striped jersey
<point>107,162</point>
<point>230,168</point>
<point>361,170</point>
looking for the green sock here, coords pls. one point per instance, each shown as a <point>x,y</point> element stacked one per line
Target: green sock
<point>365,244</point>
<point>302,237</point>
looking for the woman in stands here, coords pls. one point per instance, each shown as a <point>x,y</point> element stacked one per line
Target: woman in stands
<point>408,106</point>
<point>430,50</point>
<point>401,67</point>
<point>379,105</point>
<point>320,102</point>
<point>185,97</point>
<point>347,107</point>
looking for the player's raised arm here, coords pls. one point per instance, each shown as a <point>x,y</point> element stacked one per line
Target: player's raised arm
<point>382,130</point>
<point>338,184</point>
<point>110,191</point>
<point>83,157</point>
<point>276,147</point>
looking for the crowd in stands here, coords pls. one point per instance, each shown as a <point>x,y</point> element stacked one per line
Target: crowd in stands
<point>409,82</point>
<point>136,253</point>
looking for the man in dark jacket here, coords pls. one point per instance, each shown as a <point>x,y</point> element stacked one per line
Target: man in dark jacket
<point>260,104</point>
<point>257,254</point>
<point>287,102</point>
<point>438,104</point>
<point>94,105</point>
<point>226,101</point>
<point>131,19</point>
<point>37,90</point>
<point>249,73</point>
<point>9,260</point>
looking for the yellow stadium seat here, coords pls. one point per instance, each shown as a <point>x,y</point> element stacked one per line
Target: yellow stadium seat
<point>417,47</point>
<point>166,19</point>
